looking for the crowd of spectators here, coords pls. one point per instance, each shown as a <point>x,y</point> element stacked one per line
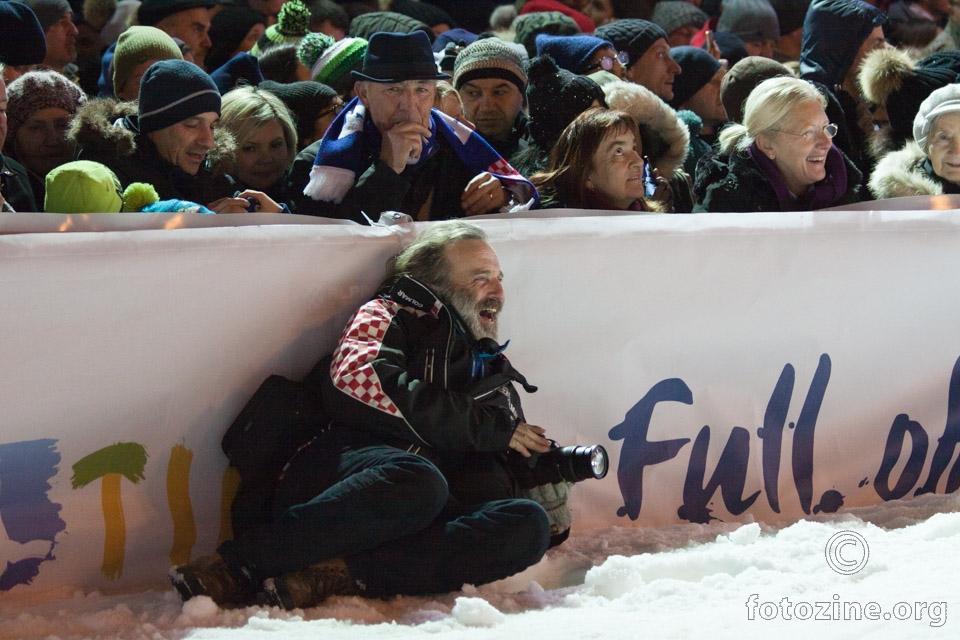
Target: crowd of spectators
<point>670,106</point>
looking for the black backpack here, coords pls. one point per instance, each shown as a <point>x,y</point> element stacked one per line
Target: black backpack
<point>281,417</point>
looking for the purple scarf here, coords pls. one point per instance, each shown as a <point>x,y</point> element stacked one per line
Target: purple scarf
<point>819,195</point>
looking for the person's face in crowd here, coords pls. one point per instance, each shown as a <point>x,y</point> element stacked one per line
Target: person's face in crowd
<point>706,101</point>
<point>943,146</point>
<point>492,105</point>
<point>3,113</point>
<point>324,120</point>
<point>799,147</point>
<point>254,35</point>
<point>186,143</point>
<point>762,48</point>
<point>655,70</point>
<point>616,170</point>
<point>41,142</point>
<point>61,43</point>
<point>391,103</point>
<point>269,8</point>
<point>682,36</point>
<point>131,86</point>
<point>192,26</point>
<point>262,158</point>
<point>474,284</point>
<point>596,62</point>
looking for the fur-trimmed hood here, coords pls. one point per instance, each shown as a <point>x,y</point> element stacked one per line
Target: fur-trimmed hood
<point>902,173</point>
<point>97,131</point>
<point>657,121</point>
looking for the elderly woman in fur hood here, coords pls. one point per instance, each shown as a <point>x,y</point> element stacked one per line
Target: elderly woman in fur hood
<point>895,84</point>
<point>909,164</point>
<point>170,139</point>
<point>930,165</point>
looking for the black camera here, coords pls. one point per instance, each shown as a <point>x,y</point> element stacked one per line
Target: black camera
<point>559,464</point>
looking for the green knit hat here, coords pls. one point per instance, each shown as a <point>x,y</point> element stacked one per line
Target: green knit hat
<point>293,23</point>
<point>82,186</point>
<point>138,45</point>
<point>330,61</point>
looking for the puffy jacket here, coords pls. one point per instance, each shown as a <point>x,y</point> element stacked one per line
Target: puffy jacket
<point>908,172</point>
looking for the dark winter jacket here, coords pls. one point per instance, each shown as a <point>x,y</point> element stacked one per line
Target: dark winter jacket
<point>438,183</point>
<point>16,188</point>
<point>102,130</point>
<point>908,172</point>
<point>407,373</point>
<point>734,183</point>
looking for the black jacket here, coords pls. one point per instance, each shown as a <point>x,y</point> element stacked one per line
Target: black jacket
<point>441,180</point>
<point>733,183</point>
<point>408,374</point>
<point>16,188</point>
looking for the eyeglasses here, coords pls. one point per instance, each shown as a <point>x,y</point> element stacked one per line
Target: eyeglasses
<point>335,108</point>
<point>606,62</point>
<point>830,130</point>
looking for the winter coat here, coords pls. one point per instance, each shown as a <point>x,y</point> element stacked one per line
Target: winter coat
<point>408,374</point>
<point>908,172</point>
<point>102,136</point>
<point>734,183</point>
<point>439,183</point>
<point>16,188</point>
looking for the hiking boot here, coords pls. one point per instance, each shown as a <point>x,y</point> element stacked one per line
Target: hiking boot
<point>227,585</point>
<point>311,586</point>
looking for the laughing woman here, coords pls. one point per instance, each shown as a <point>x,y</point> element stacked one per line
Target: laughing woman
<point>782,158</point>
<point>266,139</point>
<point>596,163</point>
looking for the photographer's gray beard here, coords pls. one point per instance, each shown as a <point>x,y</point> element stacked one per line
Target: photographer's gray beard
<point>469,311</point>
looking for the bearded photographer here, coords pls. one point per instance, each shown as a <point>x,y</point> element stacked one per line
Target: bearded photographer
<point>414,488</point>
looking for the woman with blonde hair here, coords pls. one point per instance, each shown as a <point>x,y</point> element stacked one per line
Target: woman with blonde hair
<point>782,158</point>
<point>266,139</point>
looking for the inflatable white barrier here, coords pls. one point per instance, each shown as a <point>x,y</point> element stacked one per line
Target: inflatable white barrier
<point>763,366</point>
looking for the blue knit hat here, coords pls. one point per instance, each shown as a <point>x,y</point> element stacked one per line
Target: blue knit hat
<point>242,68</point>
<point>570,52</point>
<point>172,91</point>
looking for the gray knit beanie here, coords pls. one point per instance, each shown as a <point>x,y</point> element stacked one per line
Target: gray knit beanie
<point>749,20</point>
<point>489,58</point>
<point>673,14</point>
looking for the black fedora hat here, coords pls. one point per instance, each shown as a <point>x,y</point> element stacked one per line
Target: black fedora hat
<point>396,57</point>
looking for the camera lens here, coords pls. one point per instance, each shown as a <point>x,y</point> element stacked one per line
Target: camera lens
<point>582,463</point>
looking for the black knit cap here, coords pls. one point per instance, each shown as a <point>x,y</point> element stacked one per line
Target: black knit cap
<point>172,91</point>
<point>556,97</point>
<point>21,38</point>
<point>306,100</point>
<point>697,68</point>
<point>228,28</point>
<point>151,12</point>
<point>903,105</point>
<point>632,35</point>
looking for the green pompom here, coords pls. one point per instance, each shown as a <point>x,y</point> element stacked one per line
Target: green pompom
<point>139,195</point>
<point>294,19</point>
<point>312,47</point>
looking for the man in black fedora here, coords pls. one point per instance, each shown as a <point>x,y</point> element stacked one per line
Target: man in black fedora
<point>389,150</point>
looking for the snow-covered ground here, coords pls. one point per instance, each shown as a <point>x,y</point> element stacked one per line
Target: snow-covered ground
<point>687,581</point>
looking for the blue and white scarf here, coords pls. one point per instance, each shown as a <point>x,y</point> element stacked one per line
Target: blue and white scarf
<point>341,155</point>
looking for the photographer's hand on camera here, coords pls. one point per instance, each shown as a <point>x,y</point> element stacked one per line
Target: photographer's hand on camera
<point>528,438</point>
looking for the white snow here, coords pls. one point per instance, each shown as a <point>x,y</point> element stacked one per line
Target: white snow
<point>724,580</point>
